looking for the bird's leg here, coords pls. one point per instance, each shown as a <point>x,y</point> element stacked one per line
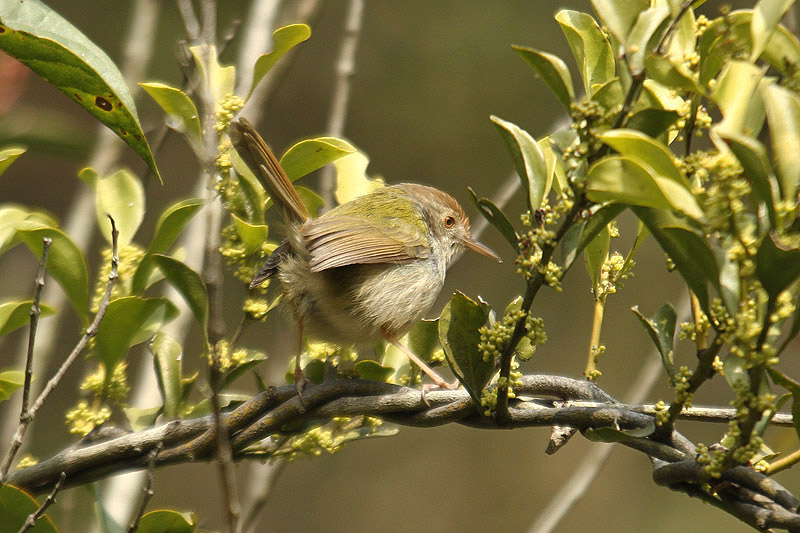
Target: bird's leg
<point>391,337</point>
<point>299,379</point>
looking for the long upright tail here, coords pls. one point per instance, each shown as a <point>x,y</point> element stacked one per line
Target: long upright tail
<point>265,165</point>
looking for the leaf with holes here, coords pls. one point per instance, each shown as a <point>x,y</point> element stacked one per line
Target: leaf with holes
<point>57,51</point>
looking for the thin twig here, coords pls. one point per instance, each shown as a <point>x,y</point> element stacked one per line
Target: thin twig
<point>50,500</point>
<point>34,314</point>
<point>147,490</point>
<point>90,332</point>
<point>345,69</point>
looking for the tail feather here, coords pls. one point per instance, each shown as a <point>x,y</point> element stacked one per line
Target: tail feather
<point>258,156</point>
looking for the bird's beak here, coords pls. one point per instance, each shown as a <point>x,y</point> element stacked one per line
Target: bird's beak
<point>482,249</point>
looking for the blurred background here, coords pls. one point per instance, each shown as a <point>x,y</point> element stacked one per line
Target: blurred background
<point>428,76</point>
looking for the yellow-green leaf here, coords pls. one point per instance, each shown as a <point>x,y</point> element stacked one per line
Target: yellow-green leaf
<point>283,39</point>
<point>8,155</point>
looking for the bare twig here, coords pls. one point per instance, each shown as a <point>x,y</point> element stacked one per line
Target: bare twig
<point>34,313</point>
<point>147,490</point>
<point>50,500</point>
<point>189,17</point>
<point>90,332</point>
<point>345,69</point>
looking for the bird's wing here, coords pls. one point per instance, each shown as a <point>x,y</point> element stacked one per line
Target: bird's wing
<point>339,240</point>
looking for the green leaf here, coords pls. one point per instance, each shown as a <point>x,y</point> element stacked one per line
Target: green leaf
<point>65,263</point>
<point>170,224</point>
<point>641,38</point>
<point>10,381</point>
<point>352,180</point>
<point>620,179</point>
<point>283,39</point>
<point>776,266</point>
<point>686,245</point>
<point>311,200</point>
<point>552,70</point>
<point>669,73</point>
<point>252,199</point>
<point>496,218</point>
<point>120,195</point>
<point>754,160</point>
<point>528,160</point>
<point>368,369</point>
<point>65,57</point>
<point>15,507</point>
<point>16,314</point>
<point>8,155</point>
<point>646,151</point>
<point>783,115</point>
<point>653,122</point>
<point>766,16</point>
<point>252,235</point>
<point>142,418</point>
<point>792,386</point>
<point>595,255</point>
<point>182,115</point>
<point>166,521</point>
<point>126,321</point>
<point>14,218</point>
<point>311,154</point>
<point>167,355</point>
<point>736,96</point>
<point>581,235</point>
<point>619,17</point>
<point>189,284</point>
<point>661,329</point>
<point>424,338</point>
<point>458,334</point>
<point>589,45</point>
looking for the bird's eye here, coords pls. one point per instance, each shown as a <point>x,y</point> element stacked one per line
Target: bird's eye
<point>449,221</point>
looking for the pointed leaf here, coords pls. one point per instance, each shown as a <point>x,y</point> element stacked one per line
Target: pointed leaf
<point>458,334</point>
<point>253,236</point>
<point>65,57</point>
<point>783,115</point>
<point>661,329</point>
<point>242,366</point>
<point>182,115</point>
<point>754,160</point>
<point>283,39</point>
<point>169,226</point>
<point>496,218</point>
<point>142,418</point>
<point>123,325</point>
<point>189,284</point>
<point>585,233</point>
<point>792,386</point>
<point>766,16</point>
<point>552,70</point>
<point>620,179</point>
<point>120,195</point>
<point>166,521</point>
<point>736,96</point>
<point>528,160</point>
<point>777,266</point>
<point>590,47</point>
<point>16,314</point>
<point>167,355</point>
<point>645,30</point>
<point>14,218</point>
<point>10,381</point>
<point>65,263</point>
<point>619,17</point>
<point>307,156</point>
<point>8,155</point>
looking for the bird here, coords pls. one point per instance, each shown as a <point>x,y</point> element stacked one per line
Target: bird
<point>366,270</point>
